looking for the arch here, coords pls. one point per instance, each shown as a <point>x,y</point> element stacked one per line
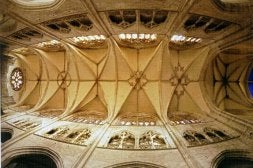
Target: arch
<point>38,4</point>
<point>152,140</point>
<point>194,138</point>
<point>65,134</point>
<point>123,140</point>
<point>211,134</point>
<point>135,164</point>
<point>233,6</point>
<point>30,155</point>
<point>6,134</point>
<point>233,159</point>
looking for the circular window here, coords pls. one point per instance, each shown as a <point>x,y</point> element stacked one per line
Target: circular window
<point>16,79</point>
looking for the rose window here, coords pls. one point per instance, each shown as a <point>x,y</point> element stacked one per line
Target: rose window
<point>16,79</point>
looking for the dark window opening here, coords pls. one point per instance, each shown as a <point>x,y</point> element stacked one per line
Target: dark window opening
<point>211,135</point>
<point>73,135</point>
<point>52,131</point>
<point>221,134</point>
<point>199,136</point>
<point>74,23</point>
<point>160,17</point>
<point>62,25</point>
<point>53,26</point>
<point>85,21</point>
<point>236,162</point>
<point>5,136</point>
<point>189,138</point>
<point>31,161</point>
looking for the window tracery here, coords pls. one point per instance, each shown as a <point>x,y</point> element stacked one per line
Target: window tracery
<point>26,34</point>
<point>207,23</point>
<point>61,133</point>
<point>122,18</point>
<point>189,137</point>
<point>65,134</point>
<point>83,136</point>
<point>211,134</point>
<point>124,140</point>
<point>26,124</point>
<point>194,138</point>
<point>153,18</point>
<point>16,79</point>
<point>201,138</point>
<point>63,25</point>
<point>152,140</point>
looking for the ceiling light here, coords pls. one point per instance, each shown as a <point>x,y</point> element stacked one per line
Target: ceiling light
<point>134,36</point>
<point>122,36</point>
<point>147,36</point>
<point>153,36</point>
<point>182,39</point>
<point>138,38</point>
<point>141,36</point>
<point>128,36</point>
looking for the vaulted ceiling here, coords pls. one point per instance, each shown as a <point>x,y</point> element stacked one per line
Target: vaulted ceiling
<point>74,60</point>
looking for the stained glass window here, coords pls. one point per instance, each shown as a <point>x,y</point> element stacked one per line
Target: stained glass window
<point>16,79</point>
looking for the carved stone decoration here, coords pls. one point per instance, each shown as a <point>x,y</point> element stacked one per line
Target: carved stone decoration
<point>63,25</point>
<point>153,18</point>
<point>179,79</point>
<point>17,79</point>
<point>51,113</point>
<point>66,134</point>
<point>24,51</point>
<point>152,140</point>
<point>194,138</point>
<point>183,118</point>
<point>63,79</point>
<point>83,136</point>
<point>207,23</point>
<point>88,117</point>
<point>122,18</point>
<point>26,34</point>
<point>52,45</point>
<point>26,124</point>
<point>60,26</point>
<point>212,135</point>
<point>95,41</point>
<point>137,80</point>
<point>81,22</point>
<point>138,40</point>
<point>60,134</point>
<point>124,140</point>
